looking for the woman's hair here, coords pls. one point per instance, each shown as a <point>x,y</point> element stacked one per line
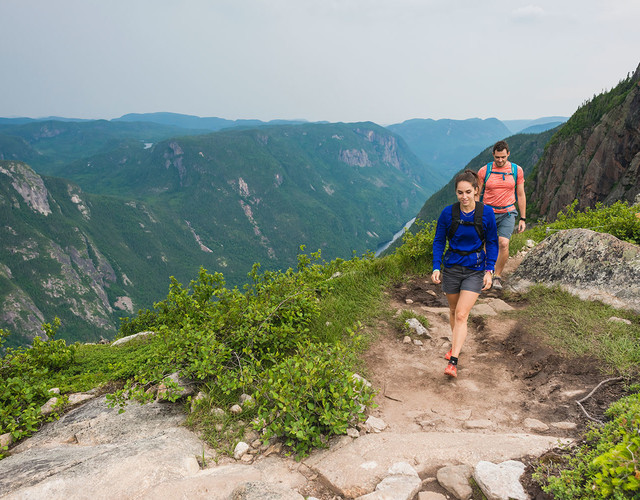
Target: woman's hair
<point>469,176</point>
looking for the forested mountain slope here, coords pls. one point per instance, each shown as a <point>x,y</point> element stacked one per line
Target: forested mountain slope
<point>104,245</point>
<point>595,157</point>
<point>526,151</point>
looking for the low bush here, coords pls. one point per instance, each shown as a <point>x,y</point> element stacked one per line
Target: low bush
<point>416,253</point>
<point>26,373</point>
<point>259,341</point>
<point>620,220</point>
<point>607,465</point>
<point>308,397</point>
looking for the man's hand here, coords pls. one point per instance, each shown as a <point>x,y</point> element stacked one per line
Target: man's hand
<point>435,276</point>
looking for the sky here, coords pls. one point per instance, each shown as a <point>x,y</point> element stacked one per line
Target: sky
<point>385,61</point>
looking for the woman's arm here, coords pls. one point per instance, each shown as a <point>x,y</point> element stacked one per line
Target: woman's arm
<point>440,238</point>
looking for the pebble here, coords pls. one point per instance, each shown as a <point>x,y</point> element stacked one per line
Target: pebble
<point>478,424</point>
<point>564,425</point>
<point>535,425</point>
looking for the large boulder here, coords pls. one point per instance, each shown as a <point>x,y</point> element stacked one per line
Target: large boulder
<point>593,266</point>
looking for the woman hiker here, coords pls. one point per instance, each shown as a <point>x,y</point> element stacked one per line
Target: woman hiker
<point>470,260</point>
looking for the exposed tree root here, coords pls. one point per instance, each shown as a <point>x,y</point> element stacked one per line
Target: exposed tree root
<point>580,401</point>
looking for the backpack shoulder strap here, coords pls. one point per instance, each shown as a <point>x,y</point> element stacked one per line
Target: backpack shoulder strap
<point>514,172</point>
<point>455,220</point>
<point>477,220</point>
<point>486,178</point>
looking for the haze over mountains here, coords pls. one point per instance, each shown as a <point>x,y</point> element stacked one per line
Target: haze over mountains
<point>97,215</point>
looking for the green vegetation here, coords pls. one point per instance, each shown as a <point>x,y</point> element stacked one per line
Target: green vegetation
<point>221,201</point>
<point>26,375</point>
<point>606,465</point>
<point>620,219</point>
<point>292,341</point>
<point>289,339</point>
<point>580,328</point>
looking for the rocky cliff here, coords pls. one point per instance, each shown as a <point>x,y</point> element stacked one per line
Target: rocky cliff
<point>595,157</point>
<point>48,264</point>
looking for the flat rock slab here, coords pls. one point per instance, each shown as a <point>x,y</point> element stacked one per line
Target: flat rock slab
<point>357,467</point>
<point>94,453</point>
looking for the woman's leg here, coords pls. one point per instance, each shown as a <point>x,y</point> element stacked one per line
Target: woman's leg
<point>452,298</point>
<point>460,305</point>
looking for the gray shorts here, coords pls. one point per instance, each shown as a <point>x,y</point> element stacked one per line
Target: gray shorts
<point>456,278</point>
<point>506,223</point>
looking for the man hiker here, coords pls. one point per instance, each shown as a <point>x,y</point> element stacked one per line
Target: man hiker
<point>501,186</point>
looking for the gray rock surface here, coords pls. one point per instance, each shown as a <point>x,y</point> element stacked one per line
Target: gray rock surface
<point>455,479</point>
<point>143,453</point>
<point>593,266</point>
<point>258,490</point>
<point>501,481</point>
<point>120,452</point>
<point>129,338</point>
<point>534,424</point>
<point>599,163</point>
<point>356,468</point>
<point>417,327</point>
<point>401,483</point>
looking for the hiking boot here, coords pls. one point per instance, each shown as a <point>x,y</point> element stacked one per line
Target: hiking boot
<point>497,283</point>
<point>451,370</point>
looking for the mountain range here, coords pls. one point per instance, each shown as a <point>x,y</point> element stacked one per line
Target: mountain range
<point>592,158</point>
<point>451,144</point>
<point>101,238</point>
<point>97,215</point>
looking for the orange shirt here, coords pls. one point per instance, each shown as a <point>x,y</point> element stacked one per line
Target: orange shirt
<point>500,192</point>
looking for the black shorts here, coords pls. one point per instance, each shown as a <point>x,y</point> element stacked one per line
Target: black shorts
<point>456,278</point>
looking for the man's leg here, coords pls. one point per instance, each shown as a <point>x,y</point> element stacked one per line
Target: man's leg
<point>503,255</point>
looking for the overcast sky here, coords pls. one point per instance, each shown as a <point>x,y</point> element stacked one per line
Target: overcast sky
<point>337,60</point>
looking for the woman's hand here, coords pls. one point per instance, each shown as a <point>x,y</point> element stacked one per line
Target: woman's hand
<point>435,276</point>
<point>487,280</point>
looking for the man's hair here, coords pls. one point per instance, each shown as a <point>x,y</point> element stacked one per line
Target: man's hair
<point>500,146</point>
<point>467,176</point>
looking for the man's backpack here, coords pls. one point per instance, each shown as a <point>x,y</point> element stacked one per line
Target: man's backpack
<point>477,223</point>
<point>514,173</point>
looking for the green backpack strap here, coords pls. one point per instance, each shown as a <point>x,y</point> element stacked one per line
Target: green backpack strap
<point>514,172</point>
<point>486,178</point>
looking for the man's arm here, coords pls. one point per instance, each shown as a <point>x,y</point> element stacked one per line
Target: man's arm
<point>522,207</point>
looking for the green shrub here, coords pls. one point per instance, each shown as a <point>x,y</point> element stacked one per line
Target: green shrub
<point>308,397</point>
<point>416,252</point>
<point>607,465</point>
<point>620,220</point>
<point>27,374</point>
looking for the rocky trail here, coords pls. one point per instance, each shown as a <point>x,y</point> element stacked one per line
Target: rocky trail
<point>514,399</point>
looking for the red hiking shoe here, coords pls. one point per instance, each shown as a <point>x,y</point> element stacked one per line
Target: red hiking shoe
<point>451,370</point>
<point>448,355</point>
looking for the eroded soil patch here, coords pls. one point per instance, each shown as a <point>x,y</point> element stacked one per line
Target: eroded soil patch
<point>506,376</point>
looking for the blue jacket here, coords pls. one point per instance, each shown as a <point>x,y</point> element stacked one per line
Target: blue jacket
<point>466,239</point>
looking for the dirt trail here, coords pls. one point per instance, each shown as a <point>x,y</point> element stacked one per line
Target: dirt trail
<point>505,375</point>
